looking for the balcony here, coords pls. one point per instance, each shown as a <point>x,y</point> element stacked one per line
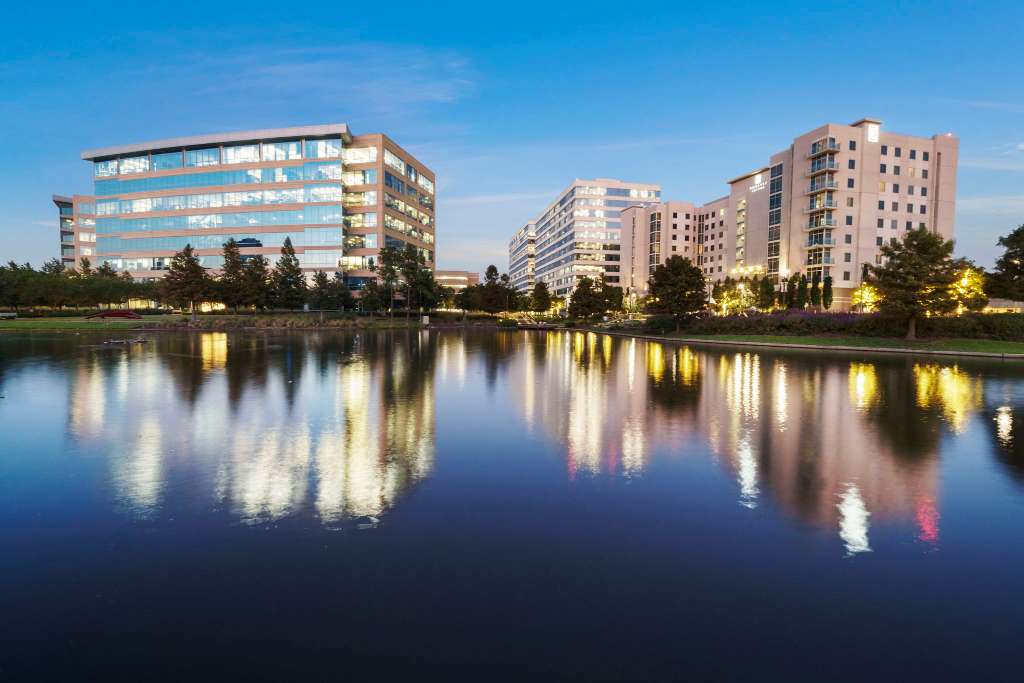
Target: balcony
<point>819,223</point>
<point>823,167</point>
<point>819,261</point>
<point>828,205</point>
<point>822,186</point>
<point>819,148</point>
<point>819,242</point>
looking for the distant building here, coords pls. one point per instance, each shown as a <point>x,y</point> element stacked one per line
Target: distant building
<point>825,204</point>
<point>579,234</point>
<point>339,197</point>
<point>457,279</point>
<point>77,225</point>
<point>522,257</point>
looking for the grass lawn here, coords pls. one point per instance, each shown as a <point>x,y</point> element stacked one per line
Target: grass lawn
<point>982,345</point>
<point>81,324</point>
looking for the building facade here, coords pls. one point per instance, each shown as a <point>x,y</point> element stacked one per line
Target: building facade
<point>456,279</point>
<point>580,233</point>
<point>339,198</point>
<point>522,257</point>
<point>76,216</point>
<point>825,204</point>
<point>651,234</point>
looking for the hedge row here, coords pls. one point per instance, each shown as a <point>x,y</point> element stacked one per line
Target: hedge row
<point>1001,326</point>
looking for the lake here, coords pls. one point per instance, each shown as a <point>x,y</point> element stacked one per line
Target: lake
<point>497,505</point>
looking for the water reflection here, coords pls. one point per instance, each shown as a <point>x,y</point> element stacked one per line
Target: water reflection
<point>340,425</point>
<point>841,444</point>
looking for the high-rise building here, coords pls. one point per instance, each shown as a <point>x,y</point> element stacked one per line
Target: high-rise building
<point>579,234</point>
<point>825,204</point>
<point>339,197</point>
<point>652,233</point>
<point>521,257</point>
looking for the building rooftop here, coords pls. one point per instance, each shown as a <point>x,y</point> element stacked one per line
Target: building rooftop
<point>219,138</point>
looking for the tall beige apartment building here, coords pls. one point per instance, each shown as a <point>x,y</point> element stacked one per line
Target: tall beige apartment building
<point>826,204</point>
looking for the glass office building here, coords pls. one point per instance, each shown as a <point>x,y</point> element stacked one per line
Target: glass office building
<point>339,198</point>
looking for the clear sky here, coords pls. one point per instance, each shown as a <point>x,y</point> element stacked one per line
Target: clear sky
<point>508,102</point>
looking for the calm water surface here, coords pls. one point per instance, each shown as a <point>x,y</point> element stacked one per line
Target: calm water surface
<point>560,505</point>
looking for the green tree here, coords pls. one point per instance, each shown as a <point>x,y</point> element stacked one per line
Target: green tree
<point>288,282</point>
<point>792,287</point>
<point>373,297</point>
<point>916,277</point>
<point>186,283</point>
<point>612,297</point>
<point>387,270</point>
<point>540,298</point>
<point>801,292</point>
<point>765,294</point>
<point>320,292</point>
<point>256,282</point>
<point>678,288</point>
<point>826,293</point>
<point>586,300</point>
<point>1007,280</point>
<point>53,267</point>
<point>340,295</point>
<point>815,295</point>
<point>231,283</point>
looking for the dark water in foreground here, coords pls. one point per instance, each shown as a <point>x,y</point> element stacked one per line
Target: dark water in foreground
<point>495,505</point>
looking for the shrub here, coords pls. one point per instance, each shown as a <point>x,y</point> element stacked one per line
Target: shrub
<point>660,324</point>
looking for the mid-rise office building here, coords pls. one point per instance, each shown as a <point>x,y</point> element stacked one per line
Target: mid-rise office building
<point>456,279</point>
<point>522,257</point>
<point>652,233</point>
<point>826,204</point>
<point>579,234</point>
<point>340,198</point>
<point>77,225</point>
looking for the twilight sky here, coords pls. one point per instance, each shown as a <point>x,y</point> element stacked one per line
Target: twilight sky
<point>508,103</point>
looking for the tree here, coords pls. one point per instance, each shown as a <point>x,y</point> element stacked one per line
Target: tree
<point>491,274</point>
<point>968,288</point>
<point>864,298</point>
<point>373,298</point>
<point>826,292</point>
<point>792,285</point>
<point>186,282</point>
<point>256,282</point>
<point>340,295</point>
<point>387,270</point>
<point>231,283</point>
<point>677,288</point>
<point>288,282</point>
<point>53,267</point>
<point>85,267</point>
<point>421,289</point>
<point>815,295</point>
<point>320,292</point>
<point>1008,279</point>
<point>765,294</point>
<point>586,301</point>
<point>540,298</point>
<point>916,277</point>
<point>801,292</point>
<point>611,296</point>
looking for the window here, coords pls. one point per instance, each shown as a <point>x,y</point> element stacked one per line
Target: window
<point>878,241</point>
<point>885,150</point>
<point>359,155</point>
<point>202,157</point>
<point>675,214</point>
<point>895,170</point>
<point>921,226</point>
<point>393,160</point>
<point>323,149</point>
<point>881,168</point>
<point>899,151</point>
<point>896,188</point>
<point>133,165</point>
<point>893,223</point>
<point>849,202</point>
<point>847,257</point>
<point>924,191</point>
<point>846,275</point>
<point>848,239</point>
<point>910,225</point>
<point>910,189</point>
<point>881,205</point>
<point>282,151</point>
<point>167,160</point>
<point>849,220</point>
<point>922,208</point>
<point>913,154</point>
<point>103,169</point>
<point>851,164</point>
<point>924,156</point>
<point>849,183</point>
<point>910,208</point>
<point>241,154</point>
<point>924,173</point>
<point>881,186</point>
<point>881,222</point>
<point>853,145</point>
<point>895,206</point>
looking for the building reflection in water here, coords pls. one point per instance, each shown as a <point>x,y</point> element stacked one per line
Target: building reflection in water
<point>843,445</point>
<point>339,425</point>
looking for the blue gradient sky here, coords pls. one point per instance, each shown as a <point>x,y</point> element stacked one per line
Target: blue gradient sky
<point>509,103</point>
